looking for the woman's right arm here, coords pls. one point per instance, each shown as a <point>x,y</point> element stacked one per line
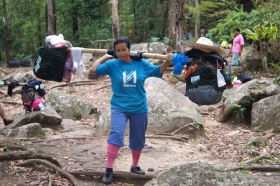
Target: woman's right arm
<point>98,62</point>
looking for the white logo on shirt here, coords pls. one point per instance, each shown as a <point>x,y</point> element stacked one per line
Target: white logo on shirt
<point>130,79</point>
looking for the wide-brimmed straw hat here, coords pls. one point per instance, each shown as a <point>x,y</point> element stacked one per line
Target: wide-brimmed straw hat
<point>205,45</point>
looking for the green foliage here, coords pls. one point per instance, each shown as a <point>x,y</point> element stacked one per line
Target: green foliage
<point>239,111</point>
<point>261,128</point>
<point>5,149</point>
<point>78,114</point>
<point>265,32</point>
<point>259,143</point>
<point>211,10</point>
<point>245,171</point>
<point>277,68</point>
<point>235,19</point>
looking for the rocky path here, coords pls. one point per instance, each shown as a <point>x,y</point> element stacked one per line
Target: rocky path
<point>76,148</point>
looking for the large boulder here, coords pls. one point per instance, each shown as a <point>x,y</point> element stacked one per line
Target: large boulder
<point>157,48</point>
<point>245,94</point>
<point>69,106</point>
<point>205,174</point>
<point>141,47</point>
<point>47,118</point>
<point>21,74</point>
<point>253,60</point>
<point>266,112</point>
<point>168,110</point>
<point>32,130</point>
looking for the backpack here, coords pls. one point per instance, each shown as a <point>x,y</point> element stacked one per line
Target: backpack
<point>50,63</point>
<point>202,86</point>
<point>31,94</point>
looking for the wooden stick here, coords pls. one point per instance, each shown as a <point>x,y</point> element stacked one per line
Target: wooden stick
<point>116,174</point>
<point>104,51</point>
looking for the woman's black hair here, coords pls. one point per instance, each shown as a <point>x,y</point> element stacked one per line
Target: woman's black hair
<point>122,40</point>
<point>237,29</point>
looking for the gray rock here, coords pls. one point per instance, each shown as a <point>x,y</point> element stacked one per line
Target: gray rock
<point>253,60</point>
<point>3,73</point>
<point>69,106</point>
<point>266,112</point>
<point>253,90</point>
<point>21,74</point>
<point>155,62</point>
<point>141,47</point>
<point>238,95</point>
<point>180,87</point>
<point>168,110</point>
<point>47,118</point>
<point>157,48</point>
<point>271,90</point>
<point>32,130</point>
<point>206,175</point>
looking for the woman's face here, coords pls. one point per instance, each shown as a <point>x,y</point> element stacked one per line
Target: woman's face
<point>122,52</point>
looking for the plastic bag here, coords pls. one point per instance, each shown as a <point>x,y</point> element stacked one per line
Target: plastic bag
<point>220,79</point>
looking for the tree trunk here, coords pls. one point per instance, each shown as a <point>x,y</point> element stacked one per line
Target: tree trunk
<point>197,21</point>
<point>135,20</point>
<point>40,38</point>
<point>180,22</point>
<point>172,27</point>
<point>115,19</point>
<point>75,22</point>
<point>164,22</point>
<point>50,17</point>
<point>6,36</point>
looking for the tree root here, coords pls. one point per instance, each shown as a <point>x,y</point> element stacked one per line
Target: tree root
<point>62,85</point>
<point>255,159</point>
<point>269,168</point>
<point>75,83</point>
<point>180,138</point>
<point>50,165</point>
<point>184,126</point>
<point>50,179</point>
<point>117,174</point>
<point>24,155</point>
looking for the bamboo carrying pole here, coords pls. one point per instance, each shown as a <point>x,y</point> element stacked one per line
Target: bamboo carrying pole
<point>104,51</point>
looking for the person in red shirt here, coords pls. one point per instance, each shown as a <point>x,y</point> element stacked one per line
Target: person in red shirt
<point>237,47</point>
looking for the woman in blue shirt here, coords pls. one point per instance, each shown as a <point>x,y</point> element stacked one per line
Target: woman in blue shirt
<point>128,102</point>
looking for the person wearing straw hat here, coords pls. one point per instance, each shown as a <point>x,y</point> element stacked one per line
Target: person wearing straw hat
<point>206,45</point>
<point>128,103</point>
<point>203,86</point>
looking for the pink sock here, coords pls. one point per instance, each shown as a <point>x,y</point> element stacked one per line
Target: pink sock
<point>135,157</point>
<point>112,152</point>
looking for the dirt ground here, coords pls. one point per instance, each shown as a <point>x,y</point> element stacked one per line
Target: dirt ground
<point>222,148</point>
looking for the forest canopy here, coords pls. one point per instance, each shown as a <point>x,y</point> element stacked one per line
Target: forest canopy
<point>84,21</point>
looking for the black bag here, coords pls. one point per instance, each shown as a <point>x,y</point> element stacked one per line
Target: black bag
<point>50,63</point>
<point>205,95</point>
<point>202,85</point>
<point>32,90</point>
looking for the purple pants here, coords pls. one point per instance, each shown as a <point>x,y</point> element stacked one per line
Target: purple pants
<point>137,124</point>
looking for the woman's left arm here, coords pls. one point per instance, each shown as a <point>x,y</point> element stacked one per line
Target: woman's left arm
<point>166,64</point>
